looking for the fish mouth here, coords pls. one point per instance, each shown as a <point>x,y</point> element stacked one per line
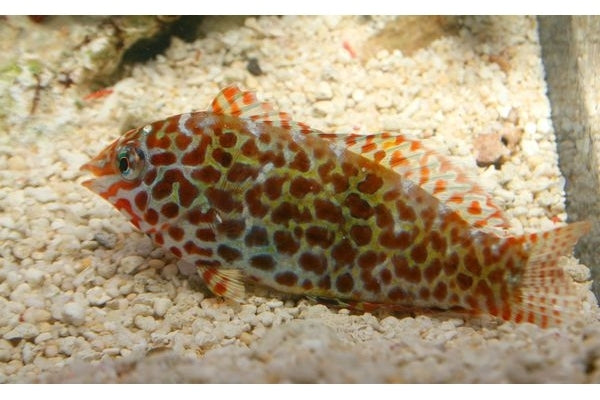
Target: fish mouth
<point>102,171</point>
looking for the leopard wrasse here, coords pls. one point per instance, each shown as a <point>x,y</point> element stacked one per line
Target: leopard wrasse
<point>242,193</point>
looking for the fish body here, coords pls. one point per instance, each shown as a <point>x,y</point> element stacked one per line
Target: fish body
<point>241,192</point>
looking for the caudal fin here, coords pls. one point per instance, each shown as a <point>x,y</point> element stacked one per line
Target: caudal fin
<point>547,295</point>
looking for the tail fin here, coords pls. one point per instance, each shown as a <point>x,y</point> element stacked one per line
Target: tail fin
<point>547,295</point>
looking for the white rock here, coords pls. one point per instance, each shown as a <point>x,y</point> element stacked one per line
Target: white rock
<point>205,339</point>
<point>42,194</point>
<point>7,222</point>
<point>22,331</point>
<point>20,292</point>
<point>51,350</point>
<point>322,108</point>
<point>161,306</point>
<point>530,128</point>
<point>28,353</point>
<point>42,337</point>
<point>96,296</point>
<point>21,251</point>
<point>266,318</point>
<point>73,313</point>
<point>6,351</point>
<point>530,147</point>
<point>35,315</point>
<point>66,345</point>
<point>544,125</point>
<point>34,277</point>
<point>130,264</point>
<point>106,269</point>
<point>274,303</point>
<point>358,95</point>
<point>148,323</point>
<point>17,163</point>
<point>233,329</point>
<point>323,91</point>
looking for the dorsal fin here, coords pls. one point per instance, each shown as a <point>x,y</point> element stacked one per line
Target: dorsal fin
<point>432,171</point>
<point>404,155</point>
<point>234,101</point>
<point>243,104</point>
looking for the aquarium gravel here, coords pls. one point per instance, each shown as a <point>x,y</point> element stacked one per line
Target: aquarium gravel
<point>84,297</point>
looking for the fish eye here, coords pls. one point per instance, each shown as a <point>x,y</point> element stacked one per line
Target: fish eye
<point>130,161</point>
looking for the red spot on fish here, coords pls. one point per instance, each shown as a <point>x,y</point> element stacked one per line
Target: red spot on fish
<point>287,278</point>
<point>371,184</point>
<point>195,216</point>
<point>141,199</point>
<point>285,243</point>
<point>474,208</point>
<point>257,237</point>
<point>313,263</point>
<point>151,216</point>
<point>196,155</point>
<point>343,253</point>
<point>263,262</point>
<point>273,187</point>
<point>361,234</point>
<point>319,236</point>
<point>162,142</point>
<point>170,210</point>
<point>222,157</point>
<point>301,162</point>
<point>240,172</point>
<point>378,156</point>
<point>182,141</point>
<point>206,234</point>
<point>228,139</point>
<point>207,174</point>
<point>255,206</point>
<point>166,158</point>
<point>229,254</point>
<point>222,199</point>
<point>433,270</point>
<point>176,233</point>
<point>344,283</point>
<point>440,292</point>
<point>176,251</point>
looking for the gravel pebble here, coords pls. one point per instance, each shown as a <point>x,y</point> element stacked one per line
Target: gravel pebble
<point>130,264</point>
<point>161,306</point>
<point>74,271</point>
<point>6,350</point>
<point>146,323</point>
<point>323,91</point>
<point>34,277</point>
<point>22,331</point>
<point>73,313</point>
<point>266,318</point>
<point>42,194</point>
<point>35,315</point>
<point>97,296</point>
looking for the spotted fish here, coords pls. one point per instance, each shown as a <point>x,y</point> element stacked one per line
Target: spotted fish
<point>242,193</point>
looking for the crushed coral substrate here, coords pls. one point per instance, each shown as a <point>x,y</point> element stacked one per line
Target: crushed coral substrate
<point>79,286</point>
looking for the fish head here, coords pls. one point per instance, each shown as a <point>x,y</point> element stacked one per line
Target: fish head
<point>119,171</point>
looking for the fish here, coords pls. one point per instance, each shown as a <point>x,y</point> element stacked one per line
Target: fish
<point>242,193</point>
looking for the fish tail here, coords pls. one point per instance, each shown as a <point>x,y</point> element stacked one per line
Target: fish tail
<point>545,294</point>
